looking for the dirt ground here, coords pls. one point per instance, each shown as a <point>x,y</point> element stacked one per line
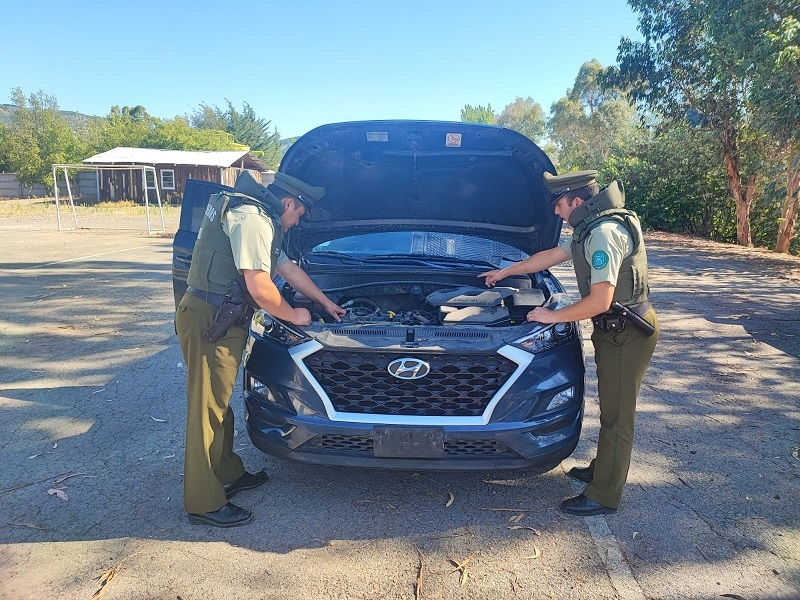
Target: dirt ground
<point>91,400</point>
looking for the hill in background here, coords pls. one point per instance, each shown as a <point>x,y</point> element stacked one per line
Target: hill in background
<point>76,121</point>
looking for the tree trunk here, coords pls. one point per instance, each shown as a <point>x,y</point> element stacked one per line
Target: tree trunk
<point>742,197</point>
<point>788,213</point>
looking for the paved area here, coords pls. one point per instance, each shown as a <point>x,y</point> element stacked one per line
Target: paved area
<point>91,400</point>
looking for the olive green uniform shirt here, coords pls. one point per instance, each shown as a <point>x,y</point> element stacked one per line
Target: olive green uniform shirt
<point>251,234</point>
<point>605,248</point>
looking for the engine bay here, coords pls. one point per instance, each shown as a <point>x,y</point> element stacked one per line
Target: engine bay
<point>417,304</point>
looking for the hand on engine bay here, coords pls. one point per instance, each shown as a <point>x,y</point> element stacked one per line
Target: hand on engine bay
<point>334,310</point>
<point>492,277</point>
<point>544,315</point>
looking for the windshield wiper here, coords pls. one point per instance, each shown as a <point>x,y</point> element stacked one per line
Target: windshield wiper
<point>339,255</point>
<point>428,259</point>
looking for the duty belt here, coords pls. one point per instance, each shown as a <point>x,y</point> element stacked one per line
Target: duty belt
<point>215,299</point>
<point>611,321</point>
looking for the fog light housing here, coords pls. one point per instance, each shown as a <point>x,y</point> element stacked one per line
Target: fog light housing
<point>261,389</point>
<point>561,398</point>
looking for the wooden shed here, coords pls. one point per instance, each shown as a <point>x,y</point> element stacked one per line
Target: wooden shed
<point>171,170</point>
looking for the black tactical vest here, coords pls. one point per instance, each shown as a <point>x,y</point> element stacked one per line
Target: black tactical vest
<point>632,283</point>
<point>212,259</point>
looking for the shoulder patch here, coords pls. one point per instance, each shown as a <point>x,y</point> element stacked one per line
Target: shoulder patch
<point>599,259</point>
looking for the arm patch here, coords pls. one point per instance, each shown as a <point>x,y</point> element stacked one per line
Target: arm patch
<point>599,259</point>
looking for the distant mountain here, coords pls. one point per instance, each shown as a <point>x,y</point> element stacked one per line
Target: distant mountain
<point>76,120</point>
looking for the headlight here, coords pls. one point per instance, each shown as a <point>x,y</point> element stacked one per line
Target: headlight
<point>559,300</point>
<point>269,328</point>
<point>546,336</point>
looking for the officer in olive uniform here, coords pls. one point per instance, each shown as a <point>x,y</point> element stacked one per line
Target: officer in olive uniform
<point>239,239</point>
<point>610,263</point>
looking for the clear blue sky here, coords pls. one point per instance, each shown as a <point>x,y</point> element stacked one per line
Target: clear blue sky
<point>303,63</point>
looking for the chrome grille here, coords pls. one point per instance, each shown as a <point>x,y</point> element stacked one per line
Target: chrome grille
<point>457,385</point>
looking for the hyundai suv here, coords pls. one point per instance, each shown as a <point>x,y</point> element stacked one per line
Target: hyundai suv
<point>429,368</point>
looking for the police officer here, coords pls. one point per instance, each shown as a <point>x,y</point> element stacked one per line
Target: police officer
<point>610,264</point>
<point>239,239</point>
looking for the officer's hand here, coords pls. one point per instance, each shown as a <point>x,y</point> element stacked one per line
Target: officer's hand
<point>334,310</point>
<point>301,316</point>
<point>492,277</point>
<point>543,315</point>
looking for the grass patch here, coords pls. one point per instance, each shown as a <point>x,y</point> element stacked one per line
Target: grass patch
<point>15,208</point>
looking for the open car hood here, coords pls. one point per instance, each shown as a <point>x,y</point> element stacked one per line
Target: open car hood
<point>448,177</point>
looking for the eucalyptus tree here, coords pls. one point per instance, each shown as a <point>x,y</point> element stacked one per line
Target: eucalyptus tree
<point>478,114</point>
<point>687,67</point>
<point>774,60</point>
<point>526,117</point>
<point>591,121</point>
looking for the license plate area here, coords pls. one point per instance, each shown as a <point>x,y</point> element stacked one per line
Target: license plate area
<point>408,442</point>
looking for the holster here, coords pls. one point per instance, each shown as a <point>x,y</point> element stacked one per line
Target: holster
<point>620,315</point>
<point>233,311</point>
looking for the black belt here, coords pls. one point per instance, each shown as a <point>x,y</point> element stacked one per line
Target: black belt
<point>610,321</point>
<point>215,299</point>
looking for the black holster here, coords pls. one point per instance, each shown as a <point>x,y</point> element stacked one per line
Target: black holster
<point>234,310</point>
<point>620,315</point>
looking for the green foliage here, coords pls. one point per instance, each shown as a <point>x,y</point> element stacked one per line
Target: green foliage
<point>246,128</point>
<point>696,59</point>
<point>130,127</point>
<point>478,114</point>
<point>524,116</point>
<point>674,180</point>
<point>590,120</point>
<point>37,138</point>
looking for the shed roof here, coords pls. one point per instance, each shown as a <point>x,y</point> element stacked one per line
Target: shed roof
<point>152,156</point>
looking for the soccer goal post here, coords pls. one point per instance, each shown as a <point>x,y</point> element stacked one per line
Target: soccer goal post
<point>143,169</point>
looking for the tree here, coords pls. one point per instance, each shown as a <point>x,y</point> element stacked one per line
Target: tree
<point>524,116</point>
<point>590,120</point>
<point>127,126</point>
<point>37,138</point>
<point>674,180</point>
<point>775,62</point>
<point>478,114</point>
<point>246,128</point>
<point>685,67</point>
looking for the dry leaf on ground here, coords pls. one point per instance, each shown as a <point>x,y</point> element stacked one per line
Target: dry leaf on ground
<point>59,492</point>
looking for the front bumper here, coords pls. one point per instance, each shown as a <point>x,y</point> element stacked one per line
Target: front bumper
<point>292,417</point>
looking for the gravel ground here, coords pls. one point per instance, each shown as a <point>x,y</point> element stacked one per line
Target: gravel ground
<point>91,396</point>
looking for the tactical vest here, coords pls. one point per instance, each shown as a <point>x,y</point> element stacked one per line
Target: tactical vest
<point>632,283</point>
<point>212,259</point>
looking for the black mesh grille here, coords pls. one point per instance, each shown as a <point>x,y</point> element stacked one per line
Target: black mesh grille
<point>458,385</point>
<point>341,443</point>
<point>476,448</point>
<point>359,444</point>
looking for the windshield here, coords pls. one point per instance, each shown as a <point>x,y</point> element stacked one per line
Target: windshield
<point>423,244</point>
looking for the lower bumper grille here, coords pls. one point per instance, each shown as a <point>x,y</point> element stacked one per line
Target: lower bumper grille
<point>362,445</point>
<point>457,384</point>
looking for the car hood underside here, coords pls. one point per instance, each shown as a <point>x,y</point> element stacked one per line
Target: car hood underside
<point>461,178</point>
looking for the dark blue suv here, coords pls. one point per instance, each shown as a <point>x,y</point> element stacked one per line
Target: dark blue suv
<point>428,369</point>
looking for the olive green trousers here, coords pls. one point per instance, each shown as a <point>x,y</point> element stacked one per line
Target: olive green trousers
<point>622,359</point>
<point>209,459</point>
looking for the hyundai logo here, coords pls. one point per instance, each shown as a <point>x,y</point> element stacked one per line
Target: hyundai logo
<point>408,368</point>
